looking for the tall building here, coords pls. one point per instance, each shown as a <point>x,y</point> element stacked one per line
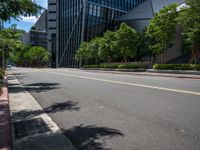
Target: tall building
<point>73,21</point>
<point>82,20</point>
<point>52,30</point>
<point>37,36</point>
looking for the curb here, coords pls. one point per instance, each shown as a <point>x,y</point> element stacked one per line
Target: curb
<point>190,72</point>
<point>5,119</point>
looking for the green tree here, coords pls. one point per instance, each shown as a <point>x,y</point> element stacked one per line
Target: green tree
<point>161,31</point>
<point>95,46</point>
<point>142,47</point>
<point>37,56</point>
<point>83,54</point>
<point>190,19</point>
<point>17,8</point>
<point>107,44</point>
<point>17,55</point>
<point>9,41</point>
<point>127,42</point>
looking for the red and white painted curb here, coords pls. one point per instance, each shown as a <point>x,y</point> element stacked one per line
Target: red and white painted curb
<point>5,119</point>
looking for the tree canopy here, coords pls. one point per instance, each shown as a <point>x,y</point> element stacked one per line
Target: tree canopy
<point>17,8</point>
<point>161,31</point>
<point>37,56</point>
<point>113,46</point>
<point>9,41</point>
<point>127,42</point>
<point>190,19</point>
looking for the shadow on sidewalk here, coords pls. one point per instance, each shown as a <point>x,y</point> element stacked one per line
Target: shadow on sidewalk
<point>82,137</point>
<point>91,137</point>
<point>5,137</point>
<point>56,107</point>
<point>45,141</point>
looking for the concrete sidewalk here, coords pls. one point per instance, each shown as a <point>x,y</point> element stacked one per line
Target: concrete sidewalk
<point>32,128</point>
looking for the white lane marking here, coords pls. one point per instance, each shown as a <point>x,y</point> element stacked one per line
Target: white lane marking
<point>130,84</point>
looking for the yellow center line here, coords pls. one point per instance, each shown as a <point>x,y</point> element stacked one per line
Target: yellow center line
<point>130,84</point>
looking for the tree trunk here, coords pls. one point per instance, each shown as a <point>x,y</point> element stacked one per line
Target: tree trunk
<point>165,56</point>
<point>109,60</point>
<point>125,60</point>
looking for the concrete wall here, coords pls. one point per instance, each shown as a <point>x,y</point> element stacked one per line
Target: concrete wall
<point>138,17</point>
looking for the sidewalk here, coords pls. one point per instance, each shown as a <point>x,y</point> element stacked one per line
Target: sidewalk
<point>153,74</point>
<point>32,128</point>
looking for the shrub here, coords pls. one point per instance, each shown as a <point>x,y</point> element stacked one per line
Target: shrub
<point>131,66</point>
<point>177,66</point>
<point>91,66</point>
<point>117,66</point>
<point>109,66</point>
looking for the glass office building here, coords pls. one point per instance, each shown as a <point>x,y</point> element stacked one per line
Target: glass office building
<point>82,20</point>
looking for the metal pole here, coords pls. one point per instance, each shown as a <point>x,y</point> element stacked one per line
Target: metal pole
<point>83,27</point>
<point>83,20</point>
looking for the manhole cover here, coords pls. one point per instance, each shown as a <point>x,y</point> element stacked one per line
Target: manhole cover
<point>29,127</point>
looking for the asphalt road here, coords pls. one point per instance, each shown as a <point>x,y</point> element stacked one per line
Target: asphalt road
<point>103,111</point>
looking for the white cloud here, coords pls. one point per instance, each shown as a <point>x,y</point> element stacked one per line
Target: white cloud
<point>31,19</point>
<point>43,3</point>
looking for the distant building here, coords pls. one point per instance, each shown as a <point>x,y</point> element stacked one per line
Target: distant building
<point>37,36</point>
<point>52,31</point>
<point>73,21</point>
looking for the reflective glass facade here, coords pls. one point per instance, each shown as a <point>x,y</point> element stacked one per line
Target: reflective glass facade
<point>82,20</point>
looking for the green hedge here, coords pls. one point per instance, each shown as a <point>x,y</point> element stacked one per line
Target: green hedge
<point>177,66</point>
<point>117,66</point>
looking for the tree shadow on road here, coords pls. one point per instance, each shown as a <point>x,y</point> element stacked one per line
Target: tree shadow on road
<point>33,87</point>
<point>56,107</point>
<point>91,137</point>
<point>41,87</point>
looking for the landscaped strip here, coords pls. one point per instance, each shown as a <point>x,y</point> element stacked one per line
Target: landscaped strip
<point>117,66</point>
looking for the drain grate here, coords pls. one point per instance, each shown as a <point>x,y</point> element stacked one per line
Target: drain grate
<point>29,127</point>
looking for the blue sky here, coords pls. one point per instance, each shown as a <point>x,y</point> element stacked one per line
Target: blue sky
<point>27,22</point>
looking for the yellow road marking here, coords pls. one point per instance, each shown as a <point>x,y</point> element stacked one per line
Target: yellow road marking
<point>130,84</point>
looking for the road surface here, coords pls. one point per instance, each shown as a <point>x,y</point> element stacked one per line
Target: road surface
<point>103,111</point>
